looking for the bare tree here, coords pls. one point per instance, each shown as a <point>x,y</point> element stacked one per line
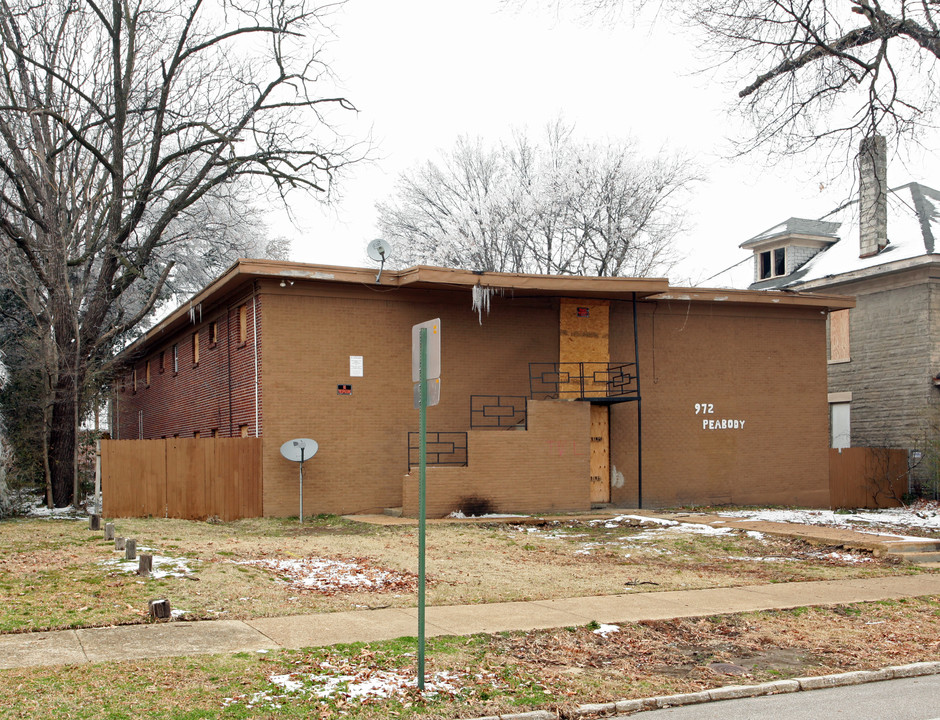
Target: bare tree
<point>814,72</point>
<point>116,119</point>
<point>560,207</point>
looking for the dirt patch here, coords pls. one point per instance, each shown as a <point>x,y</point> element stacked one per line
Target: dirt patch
<point>468,563</point>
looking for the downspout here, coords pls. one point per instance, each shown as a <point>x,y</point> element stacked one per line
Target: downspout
<point>254,312</point>
<point>639,412</point>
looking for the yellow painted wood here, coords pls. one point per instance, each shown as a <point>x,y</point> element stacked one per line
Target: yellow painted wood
<point>600,454</point>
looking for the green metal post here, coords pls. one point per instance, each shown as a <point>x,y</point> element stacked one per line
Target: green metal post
<point>422,465</point>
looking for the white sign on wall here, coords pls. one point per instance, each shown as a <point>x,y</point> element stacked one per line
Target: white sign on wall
<point>355,366</point>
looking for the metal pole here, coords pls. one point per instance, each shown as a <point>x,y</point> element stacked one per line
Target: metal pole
<point>301,484</point>
<point>639,412</point>
<point>422,466</point>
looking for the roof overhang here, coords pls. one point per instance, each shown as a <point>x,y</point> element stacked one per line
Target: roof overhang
<point>759,297</point>
<point>423,277</point>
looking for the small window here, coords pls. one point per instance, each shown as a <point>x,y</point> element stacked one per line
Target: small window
<point>243,431</point>
<point>242,324</point>
<point>773,263</point>
<point>215,432</point>
<point>162,364</point>
<point>213,333</point>
<point>197,434</point>
<point>134,379</point>
<point>196,348</point>
<point>839,336</point>
<point>176,358</point>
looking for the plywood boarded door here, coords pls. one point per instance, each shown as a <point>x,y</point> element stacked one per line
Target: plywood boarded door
<point>600,454</point>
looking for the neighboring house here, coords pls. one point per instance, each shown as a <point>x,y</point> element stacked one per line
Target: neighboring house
<point>884,354</point>
<point>567,392</point>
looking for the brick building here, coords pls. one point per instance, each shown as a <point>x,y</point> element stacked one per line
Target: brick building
<point>566,392</point>
<point>884,354</point>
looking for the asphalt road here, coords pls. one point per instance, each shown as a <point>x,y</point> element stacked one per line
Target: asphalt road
<point>907,699</point>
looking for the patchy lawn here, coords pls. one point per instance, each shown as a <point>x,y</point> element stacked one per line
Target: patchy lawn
<point>488,674</point>
<point>56,573</point>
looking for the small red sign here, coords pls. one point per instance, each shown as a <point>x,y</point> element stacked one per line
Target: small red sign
<point>344,389</point>
<point>584,312</point>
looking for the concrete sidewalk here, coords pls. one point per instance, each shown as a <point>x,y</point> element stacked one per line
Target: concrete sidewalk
<point>134,642</point>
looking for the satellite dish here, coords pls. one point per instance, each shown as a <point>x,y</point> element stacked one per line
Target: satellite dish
<point>379,250</point>
<point>299,450</point>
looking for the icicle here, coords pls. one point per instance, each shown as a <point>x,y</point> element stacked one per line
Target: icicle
<point>481,299</point>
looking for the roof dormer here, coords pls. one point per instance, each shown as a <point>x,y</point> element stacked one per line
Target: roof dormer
<point>786,247</point>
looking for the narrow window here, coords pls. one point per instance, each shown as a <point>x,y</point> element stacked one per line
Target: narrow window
<point>176,358</point>
<point>242,324</point>
<point>134,379</point>
<point>148,373</point>
<point>162,364</point>
<point>840,424</point>
<point>196,348</point>
<point>780,262</point>
<point>213,333</point>
<point>196,434</point>
<point>839,336</point>
<point>765,265</point>
<point>215,432</point>
<point>243,431</point>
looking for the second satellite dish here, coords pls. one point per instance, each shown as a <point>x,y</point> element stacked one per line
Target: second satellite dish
<point>379,250</point>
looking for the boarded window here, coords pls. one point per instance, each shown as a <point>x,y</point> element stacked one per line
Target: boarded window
<point>134,379</point>
<point>196,348</point>
<point>243,430</point>
<point>197,434</point>
<point>840,424</point>
<point>148,373</point>
<point>213,333</point>
<point>242,324</point>
<point>839,336</point>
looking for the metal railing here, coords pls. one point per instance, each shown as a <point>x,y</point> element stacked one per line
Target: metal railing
<point>443,449</point>
<point>498,411</point>
<point>583,381</point>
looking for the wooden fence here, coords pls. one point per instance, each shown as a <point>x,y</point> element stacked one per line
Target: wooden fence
<point>862,477</point>
<point>191,478</point>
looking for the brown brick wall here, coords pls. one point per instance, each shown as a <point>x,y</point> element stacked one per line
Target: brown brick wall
<point>545,468</point>
<point>763,365</point>
<point>217,394</point>
<point>312,329</point>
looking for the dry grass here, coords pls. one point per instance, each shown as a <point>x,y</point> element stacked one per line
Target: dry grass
<point>52,576</point>
<point>556,669</point>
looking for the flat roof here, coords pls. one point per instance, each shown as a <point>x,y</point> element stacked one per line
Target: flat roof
<point>423,277</point>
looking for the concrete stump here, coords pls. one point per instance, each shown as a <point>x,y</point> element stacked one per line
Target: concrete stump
<point>109,531</point>
<point>160,609</point>
<point>130,549</point>
<point>145,565</point>
<point>94,522</point>
<point>118,543</point>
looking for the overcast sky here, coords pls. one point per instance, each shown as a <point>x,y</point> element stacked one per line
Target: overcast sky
<point>423,72</point>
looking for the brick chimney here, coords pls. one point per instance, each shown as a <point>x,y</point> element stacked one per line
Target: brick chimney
<point>872,195</point>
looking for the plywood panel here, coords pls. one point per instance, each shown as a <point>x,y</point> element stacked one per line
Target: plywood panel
<point>600,454</point>
<point>584,337</point>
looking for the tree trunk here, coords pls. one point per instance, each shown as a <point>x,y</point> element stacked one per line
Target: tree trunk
<point>62,441</point>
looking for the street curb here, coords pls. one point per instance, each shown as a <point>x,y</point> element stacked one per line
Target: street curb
<point>731,692</point>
